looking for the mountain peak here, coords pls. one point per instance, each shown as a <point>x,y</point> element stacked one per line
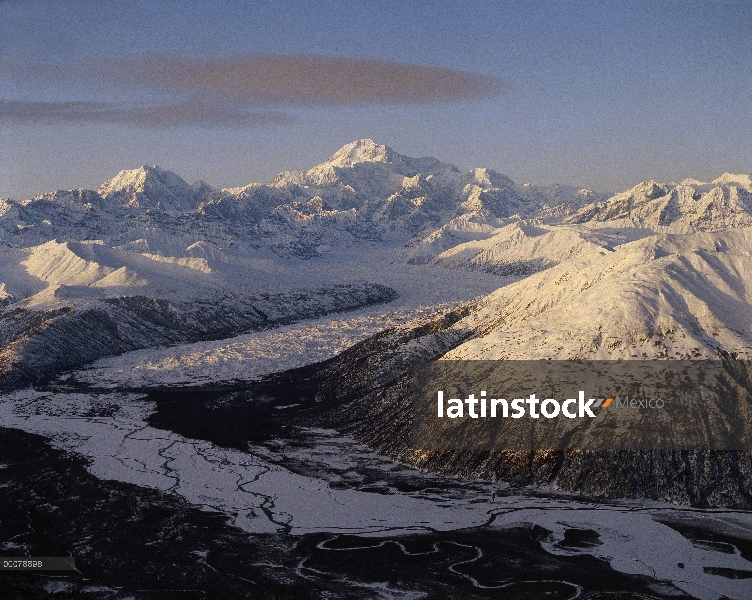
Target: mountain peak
<point>366,151</point>
<point>359,151</point>
<point>735,179</point>
<point>489,177</point>
<point>148,187</point>
<point>650,190</point>
<point>141,178</point>
<point>363,156</point>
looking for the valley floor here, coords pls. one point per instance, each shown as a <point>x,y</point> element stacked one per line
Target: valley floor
<point>312,510</point>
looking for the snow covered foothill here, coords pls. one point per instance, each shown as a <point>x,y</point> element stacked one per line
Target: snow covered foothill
<point>669,296</point>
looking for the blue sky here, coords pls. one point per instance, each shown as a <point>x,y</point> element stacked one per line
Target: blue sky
<point>602,94</point>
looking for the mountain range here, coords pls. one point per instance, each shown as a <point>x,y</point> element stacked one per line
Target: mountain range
<point>148,259</point>
<point>477,267</point>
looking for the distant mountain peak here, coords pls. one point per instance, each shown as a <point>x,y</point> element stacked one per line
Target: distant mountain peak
<point>490,177</point>
<point>364,155</point>
<point>649,189</point>
<point>149,187</point>
<point>691,181</point>
<point>366,151</point>
<point>360,151</point>
<point>735,179</point>
<point>141,178</point>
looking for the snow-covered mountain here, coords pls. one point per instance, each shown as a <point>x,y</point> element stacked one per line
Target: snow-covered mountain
<point>148,248</point>
<point>154,188</point>
<point>724,204</point>
<point>364,193</point>
<point>666,296</point>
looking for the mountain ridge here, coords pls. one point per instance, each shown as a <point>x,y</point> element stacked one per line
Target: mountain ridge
<point>364,170</point>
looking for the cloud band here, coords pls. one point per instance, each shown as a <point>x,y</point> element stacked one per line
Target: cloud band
<point>246,90</point>
<point>169,115</point>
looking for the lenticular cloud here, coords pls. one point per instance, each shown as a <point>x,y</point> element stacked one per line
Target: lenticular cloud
<point>269,80</point>
<point>301,80</point>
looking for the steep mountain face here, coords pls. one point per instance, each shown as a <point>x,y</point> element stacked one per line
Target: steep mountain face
<point>250,204</point>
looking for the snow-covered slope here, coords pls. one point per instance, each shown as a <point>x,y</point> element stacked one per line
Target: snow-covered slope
<point>155,188</point>
<point>518,249</point>
<point>661,296</point>
<point>665,296</point>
